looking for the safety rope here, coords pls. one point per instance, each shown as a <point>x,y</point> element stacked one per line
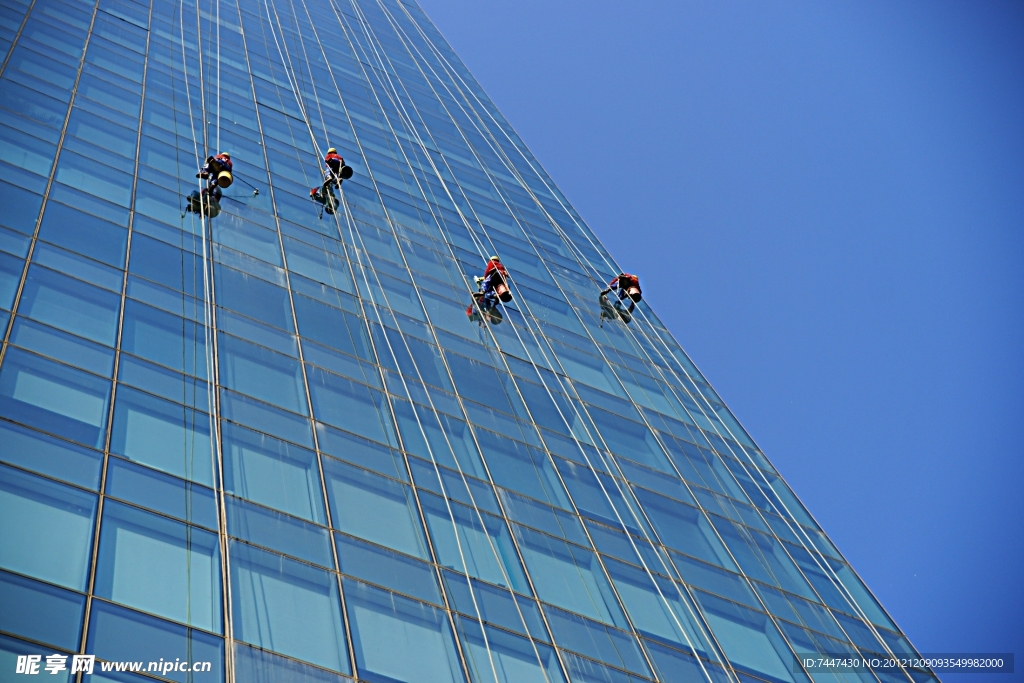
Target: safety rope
<point>455,528</point>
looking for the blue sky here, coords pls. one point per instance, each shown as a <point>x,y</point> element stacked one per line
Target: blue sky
<point>825,203</point>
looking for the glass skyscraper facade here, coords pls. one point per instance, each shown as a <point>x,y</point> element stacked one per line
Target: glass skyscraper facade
<point>273,440</point>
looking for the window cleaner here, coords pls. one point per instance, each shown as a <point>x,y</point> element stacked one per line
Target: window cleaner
<point>625,286</point>
<point>336,172</point>
<point>492,288</point>
<point>218,170</point>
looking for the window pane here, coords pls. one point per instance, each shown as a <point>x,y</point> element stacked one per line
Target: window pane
<point>399,640</point>
<point>484,552</point>
<point>163,435</point>
<point>749,639</point>
<point>71,305</point>
<point>119,634</point>
<point>279,531</point>
<point>54,397</point>
<point>262,373</point>
<point>164,338</point>
<point>375,508</point>
<point>84,233</point>
<point>349,405</point>
<point>288,607</point>
<point>272,473</point>
<point>161,492</point>
<point>62,346</point>
<point>12,648</point>
<point>159,566</point>
<point>386,568</point>
<point>569,576</point>
<point>48,455</point>
<point>32,508</point>
<point>514,659</point>
<point>41,612</point>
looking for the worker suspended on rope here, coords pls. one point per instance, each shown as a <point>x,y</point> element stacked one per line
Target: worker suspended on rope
<point>218,170</point>
<point>492,287</point>
<point>335,173</point>
<point>626,286</point>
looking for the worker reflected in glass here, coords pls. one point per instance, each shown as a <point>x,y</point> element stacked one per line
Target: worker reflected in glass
<point>492,288</point>
<point>336,172</point>
<point>626,286</point>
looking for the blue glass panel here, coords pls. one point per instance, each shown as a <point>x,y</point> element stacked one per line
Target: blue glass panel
<point>673,665</point>
<point>47,455</point>
<point>261,373</point>
<point>41,612</point>
<point>122,635</point>
<point>54,397</point>
<point>616,543</point>
<point>140,551</point>
<point>288,607</point>
<point>11,649</point>
<point>684,527</point>
<point>73,350</point>
<point>521,468</point>
<point>256,332</point>
<point>713,579</point>
<point>349,405</point>
<point>495,605</point>
<point>71,305</point>
<point>31,509</point>
<point>483,547</point>
<point>253,297</point>
<point>361,451</point>
<point>449,442</point>
<point>388,569</point>
<point>259,415</point>
<point>506,658</point>
<point>161,492</point>
<point>463,489</point>
<point>272,473</point>
<point>548,519</point>
<point>750,640</point>
<point>596,641</point>
<point>659,609</point>
<point>91,176</point>
<point>163,382</point>
<point>10,276</point>
<point>569,577</point>
<point>259,666</point>
<point>399,640</point>
<point>375,508</point>
<point>164,338</point>
<point>278,531</point>
<point>588,671</point>
<point>332,327</point>
<point>163,435</point>
<point>22,204</point>
<point>13,243</point>
<point>80,267</point>
<point>84,233</point>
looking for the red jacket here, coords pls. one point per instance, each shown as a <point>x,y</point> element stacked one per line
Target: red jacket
<point>624,281</point>
<point>334,156</point>
<point>495,266</point>
<point>224,161</point>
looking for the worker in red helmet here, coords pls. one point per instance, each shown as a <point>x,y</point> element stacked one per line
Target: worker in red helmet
<point>626,286</point>
<point>494,275</point>
<point>215,165</point>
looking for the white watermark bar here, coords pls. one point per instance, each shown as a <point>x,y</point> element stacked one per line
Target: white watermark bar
<point>943,662</point>
<point>54,664</point>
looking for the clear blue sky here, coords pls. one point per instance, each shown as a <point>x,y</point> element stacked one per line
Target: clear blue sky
<point>825,202</point>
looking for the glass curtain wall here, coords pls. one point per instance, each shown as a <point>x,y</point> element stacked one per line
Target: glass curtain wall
<point>272,439</point>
